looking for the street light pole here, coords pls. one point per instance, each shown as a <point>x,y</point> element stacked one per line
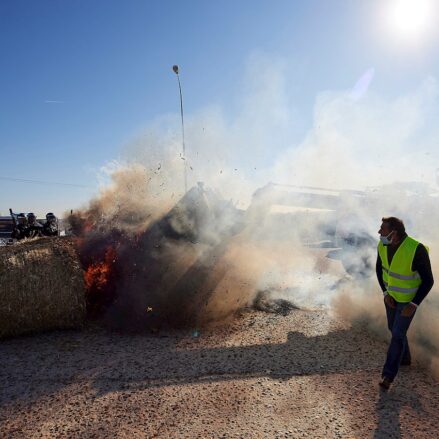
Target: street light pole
<point>176,71</point>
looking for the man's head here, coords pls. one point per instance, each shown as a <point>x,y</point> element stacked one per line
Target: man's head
<point>51,218</point>
<point>21,218</point>
<point>392,230</point>
<point>31,218</point>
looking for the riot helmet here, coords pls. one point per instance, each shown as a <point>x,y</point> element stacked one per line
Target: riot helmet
<point>31,218</point>
<point>21,218</point>
<point>50,217</point>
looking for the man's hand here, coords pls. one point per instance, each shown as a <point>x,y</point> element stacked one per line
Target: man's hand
<point>389,301</point>
<point>408,310</point>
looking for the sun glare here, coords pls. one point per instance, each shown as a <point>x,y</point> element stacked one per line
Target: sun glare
<point>410,19</point>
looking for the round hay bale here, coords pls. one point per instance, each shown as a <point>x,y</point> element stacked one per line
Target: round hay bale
<point>41,286</point>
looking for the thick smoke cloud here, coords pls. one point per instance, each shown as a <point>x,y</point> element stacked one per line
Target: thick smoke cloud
<point>376,153</point>
<point>354,143</point>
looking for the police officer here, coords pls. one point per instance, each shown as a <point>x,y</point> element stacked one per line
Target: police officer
<point>50,228</point>
<point>34,228</point>
<point>20,229</point>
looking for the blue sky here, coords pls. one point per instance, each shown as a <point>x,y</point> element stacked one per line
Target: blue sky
<point>81,79</point>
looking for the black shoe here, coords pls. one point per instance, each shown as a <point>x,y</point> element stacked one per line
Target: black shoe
<point>385,383</point>
<point>406,362</point>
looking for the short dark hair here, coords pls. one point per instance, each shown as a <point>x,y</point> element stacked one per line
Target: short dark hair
<point>395,224</point>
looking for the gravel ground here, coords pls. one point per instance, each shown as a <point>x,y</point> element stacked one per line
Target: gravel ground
<point>303,375</point>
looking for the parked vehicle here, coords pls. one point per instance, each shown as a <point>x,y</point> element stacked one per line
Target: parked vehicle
<point>6,230</point>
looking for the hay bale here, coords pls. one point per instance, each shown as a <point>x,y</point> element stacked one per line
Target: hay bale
<point>41,286</point>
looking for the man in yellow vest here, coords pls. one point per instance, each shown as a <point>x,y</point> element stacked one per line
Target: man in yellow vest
<point>404,274</point>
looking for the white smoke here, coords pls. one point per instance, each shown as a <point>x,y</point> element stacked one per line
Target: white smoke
<point>383,146</point>
<point>367,142</point>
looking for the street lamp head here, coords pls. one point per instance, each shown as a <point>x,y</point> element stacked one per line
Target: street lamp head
<point>175,68</point>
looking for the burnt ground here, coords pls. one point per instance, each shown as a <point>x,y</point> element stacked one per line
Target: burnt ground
<point>301,375</point>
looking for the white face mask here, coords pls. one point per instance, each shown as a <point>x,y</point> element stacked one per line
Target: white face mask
<point>385,239</point>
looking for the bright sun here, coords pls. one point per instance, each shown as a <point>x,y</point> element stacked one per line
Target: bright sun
<point>410,19</point>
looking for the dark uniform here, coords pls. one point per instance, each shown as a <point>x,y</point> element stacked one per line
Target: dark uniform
<point>20,229</point>
<point>34,228</point>
<point>50,227</point>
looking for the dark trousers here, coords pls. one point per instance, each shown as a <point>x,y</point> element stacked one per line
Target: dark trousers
<point>399,348</point>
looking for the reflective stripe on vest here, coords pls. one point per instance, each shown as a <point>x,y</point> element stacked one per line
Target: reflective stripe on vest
<point>401,282</point>
<point>401,276</point>
<point>401,290</point>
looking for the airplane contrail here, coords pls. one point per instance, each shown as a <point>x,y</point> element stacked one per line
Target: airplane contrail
<point>54,183</point>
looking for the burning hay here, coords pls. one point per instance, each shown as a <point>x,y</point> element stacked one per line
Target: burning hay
<point>41,287</point>
<point>168,273</point>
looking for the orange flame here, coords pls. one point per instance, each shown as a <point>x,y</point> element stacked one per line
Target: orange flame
<point>97,275</point>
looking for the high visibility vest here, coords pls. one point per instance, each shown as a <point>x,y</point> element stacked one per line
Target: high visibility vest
<point>401,282</point>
